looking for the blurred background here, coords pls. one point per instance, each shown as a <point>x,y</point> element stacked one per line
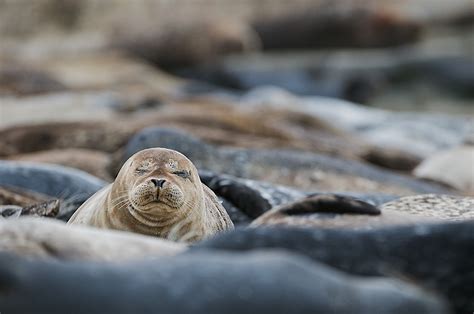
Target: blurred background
<point>389,84</point>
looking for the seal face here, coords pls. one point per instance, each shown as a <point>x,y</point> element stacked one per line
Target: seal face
<point>157,192</point>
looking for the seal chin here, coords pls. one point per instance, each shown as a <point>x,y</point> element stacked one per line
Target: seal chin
<point>146,218</point>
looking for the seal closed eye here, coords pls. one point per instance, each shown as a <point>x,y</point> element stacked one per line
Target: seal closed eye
<point>159,196</point>
<point>183,174</point>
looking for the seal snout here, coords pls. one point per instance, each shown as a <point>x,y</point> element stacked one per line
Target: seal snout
<point>158,184</point>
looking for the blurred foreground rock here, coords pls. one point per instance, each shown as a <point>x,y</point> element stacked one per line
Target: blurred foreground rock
<point>47,238</point>
<point>231,283</point>
<point>436,256</point>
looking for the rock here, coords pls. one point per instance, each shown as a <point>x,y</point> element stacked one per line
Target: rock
<point>101,136</point>
<point>21,80</point>
<point>199,152</point>
<point>334,26</point>
<point>454,167</point>
<point>137,102</point>
<point>446,207</point>
<point>10,211</point>
<point>190,43</point>
<point>229,125</point>
<point>48,238</point>
<point>358,87</point>
<point>454,73</point>
<point>419,134</point>
<point>102,83</point>
<point>213,122</point>
<point>238,217</point>
<point>71,185</point>
<point>469,139</point>
<point>254,198</point>
<point>46,209</point>
<point>230,283</point>
<point>303,170</point>
<point>20,197</point>
<point>112,71</point>
<point>332,211</point>
<point>216,123</point>
<point>389,158</point>
<point>90,161</point>
<point>31,203</point>
<point>436,256</point>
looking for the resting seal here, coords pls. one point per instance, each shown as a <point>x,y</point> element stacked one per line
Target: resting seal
<point>157,192</point>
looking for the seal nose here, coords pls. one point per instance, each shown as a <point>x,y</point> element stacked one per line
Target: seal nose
<point>158,182</point>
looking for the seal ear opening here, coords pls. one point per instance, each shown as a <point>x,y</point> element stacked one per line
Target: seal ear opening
<point>329,203</point>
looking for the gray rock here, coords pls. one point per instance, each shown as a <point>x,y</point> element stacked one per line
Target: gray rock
<point>454,167</point>
<point>337,212</point>
<point>10,211</point>
<point>436,256</point>
<point>52,239</point>
<point>417,133</point>
<point>264,282</point>
<point>261,164</point>
<point>200,153</point>
<point>72,185</point>
<point>256,197</point>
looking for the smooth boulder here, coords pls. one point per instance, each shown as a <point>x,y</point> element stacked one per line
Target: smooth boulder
<point>48,238</point>
<point>263,282</point>
<point>436,256</point>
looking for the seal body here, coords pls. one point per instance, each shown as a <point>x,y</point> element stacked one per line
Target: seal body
<point>157,192</point>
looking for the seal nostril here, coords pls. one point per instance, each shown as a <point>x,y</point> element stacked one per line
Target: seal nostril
<point>158,183</point>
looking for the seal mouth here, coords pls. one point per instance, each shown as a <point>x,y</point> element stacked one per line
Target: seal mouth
<point>150,206</point>
<point>145,207</point>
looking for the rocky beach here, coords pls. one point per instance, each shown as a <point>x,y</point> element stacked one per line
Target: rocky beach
<point>338,137</point>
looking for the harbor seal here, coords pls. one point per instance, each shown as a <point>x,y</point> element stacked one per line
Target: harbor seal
<point>157,192</point>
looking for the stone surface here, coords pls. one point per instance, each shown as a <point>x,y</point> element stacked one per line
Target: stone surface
<point>231,283</point>
<point>446,207</point>
<point>50,239</point>
<point>420,134</point>
<point>436,256</point>
<point>91,161</point>
<point>331,211</point>
<point>71,185</point>
<point>454,167</point>
<point>305,170</point>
